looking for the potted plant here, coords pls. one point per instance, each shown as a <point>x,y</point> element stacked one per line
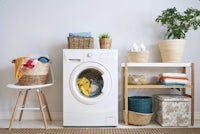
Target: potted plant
<point>105,41</point>
<point>177,24</point>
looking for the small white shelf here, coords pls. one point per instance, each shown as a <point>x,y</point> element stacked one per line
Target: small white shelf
<point>156,64</point>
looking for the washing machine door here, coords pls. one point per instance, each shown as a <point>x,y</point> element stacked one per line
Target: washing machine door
<point>90,82</point>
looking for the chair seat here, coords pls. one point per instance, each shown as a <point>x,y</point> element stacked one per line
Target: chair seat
<point>16,86</point>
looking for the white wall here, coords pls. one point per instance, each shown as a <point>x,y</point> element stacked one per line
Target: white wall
<point>42,26</point>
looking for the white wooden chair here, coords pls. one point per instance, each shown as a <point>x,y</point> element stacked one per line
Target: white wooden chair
<point>38,89</point>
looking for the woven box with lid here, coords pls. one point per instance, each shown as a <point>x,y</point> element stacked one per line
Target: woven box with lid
<point>172,110</point>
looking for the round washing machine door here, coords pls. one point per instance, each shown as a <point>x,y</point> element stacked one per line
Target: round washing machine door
<point>90,82</point>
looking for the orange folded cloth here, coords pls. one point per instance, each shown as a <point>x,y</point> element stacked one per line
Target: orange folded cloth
<point>173,77</point>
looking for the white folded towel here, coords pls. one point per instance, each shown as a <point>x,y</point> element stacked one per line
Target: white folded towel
<point>174,74</point>
<point>178,81</point>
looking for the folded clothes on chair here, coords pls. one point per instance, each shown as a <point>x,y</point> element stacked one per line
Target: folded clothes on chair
<point>81,34</point>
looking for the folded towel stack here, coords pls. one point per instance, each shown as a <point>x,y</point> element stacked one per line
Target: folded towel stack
<point>80,34</point>
<point>173,79</point>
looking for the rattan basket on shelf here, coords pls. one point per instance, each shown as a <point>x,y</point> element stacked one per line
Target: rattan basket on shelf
<point>35,76</point>
<point>80,42</point>
<point>139,56</point>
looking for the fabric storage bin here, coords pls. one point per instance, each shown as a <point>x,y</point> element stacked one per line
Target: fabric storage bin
<point>141,104</point>
<point>172,110</point>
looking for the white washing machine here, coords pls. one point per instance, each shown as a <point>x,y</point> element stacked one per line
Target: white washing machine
<point>90,87</point>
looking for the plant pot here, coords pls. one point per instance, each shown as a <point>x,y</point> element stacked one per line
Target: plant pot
<point>105,43</point>
<point>172,50</point>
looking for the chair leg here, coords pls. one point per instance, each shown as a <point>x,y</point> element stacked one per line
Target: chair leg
<point>15,110</point>
<point>47,107</point>
<point>41,108</point>
<point>23,105</point>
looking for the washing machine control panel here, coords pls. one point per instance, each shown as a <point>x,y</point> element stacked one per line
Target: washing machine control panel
<point>89,55</point>
<point>99,55</point>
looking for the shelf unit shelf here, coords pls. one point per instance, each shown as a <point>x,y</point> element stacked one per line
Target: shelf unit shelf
<point>126,86</point>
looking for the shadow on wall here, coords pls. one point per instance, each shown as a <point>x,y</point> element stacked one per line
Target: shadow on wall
<point>56,54</point>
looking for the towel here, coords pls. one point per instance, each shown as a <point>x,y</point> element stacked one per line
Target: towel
<point>174,74</point>
<point>173,78</point>
<point>84,86</point>
<point>18,63</point>
<point>81,34</point>
<point>29,63</point>
<point>176,81</point>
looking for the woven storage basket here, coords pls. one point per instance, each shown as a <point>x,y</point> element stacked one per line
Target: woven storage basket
<point>140,56</point>
<point>137,80</point>
<point>35,76</point>
<point>105,43</point>
<point>80,42</point>
<point>136,118</point>
<point>141,104</point>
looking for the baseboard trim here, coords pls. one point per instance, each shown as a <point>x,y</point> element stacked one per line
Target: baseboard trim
<point>30,115</point>
<point>36,115</point>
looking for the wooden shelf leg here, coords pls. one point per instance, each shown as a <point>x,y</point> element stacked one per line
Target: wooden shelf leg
<point>126,94</point>
<point>192,94</point>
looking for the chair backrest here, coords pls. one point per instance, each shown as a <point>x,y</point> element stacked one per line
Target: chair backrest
<point>50,79</point>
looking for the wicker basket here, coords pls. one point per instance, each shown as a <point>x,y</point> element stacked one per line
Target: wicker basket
<point>80,42</point>
<point>140,56</point>
<point>136,118</point>
<point>105,43</point>
<point>141,104</point>
<point>36,76</point>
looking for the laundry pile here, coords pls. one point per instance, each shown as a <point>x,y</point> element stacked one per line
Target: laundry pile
<point>84,86</point>
<point>26,62</point>
<point>173,79</point>
<point>89,87</point>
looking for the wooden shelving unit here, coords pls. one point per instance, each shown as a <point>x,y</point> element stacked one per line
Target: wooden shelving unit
<point>183,66</point>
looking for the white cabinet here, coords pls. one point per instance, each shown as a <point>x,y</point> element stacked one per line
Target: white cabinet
<point>182,66</point>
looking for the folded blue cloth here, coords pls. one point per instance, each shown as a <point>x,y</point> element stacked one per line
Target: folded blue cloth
<point>81,34</point>
<point>170,84</point>
<point>43,59</point>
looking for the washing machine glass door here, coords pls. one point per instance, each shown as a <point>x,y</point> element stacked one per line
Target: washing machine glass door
<point>90,82</point>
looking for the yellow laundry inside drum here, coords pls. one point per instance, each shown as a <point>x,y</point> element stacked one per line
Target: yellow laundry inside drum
<point>84,86</point>
<point>90,82</point>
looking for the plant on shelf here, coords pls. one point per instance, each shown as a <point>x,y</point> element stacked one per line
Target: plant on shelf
<point>178,24</point>
<point>104,35</point>
<point>105,41</point>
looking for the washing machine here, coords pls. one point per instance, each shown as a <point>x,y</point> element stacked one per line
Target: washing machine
<point>90,87</point>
